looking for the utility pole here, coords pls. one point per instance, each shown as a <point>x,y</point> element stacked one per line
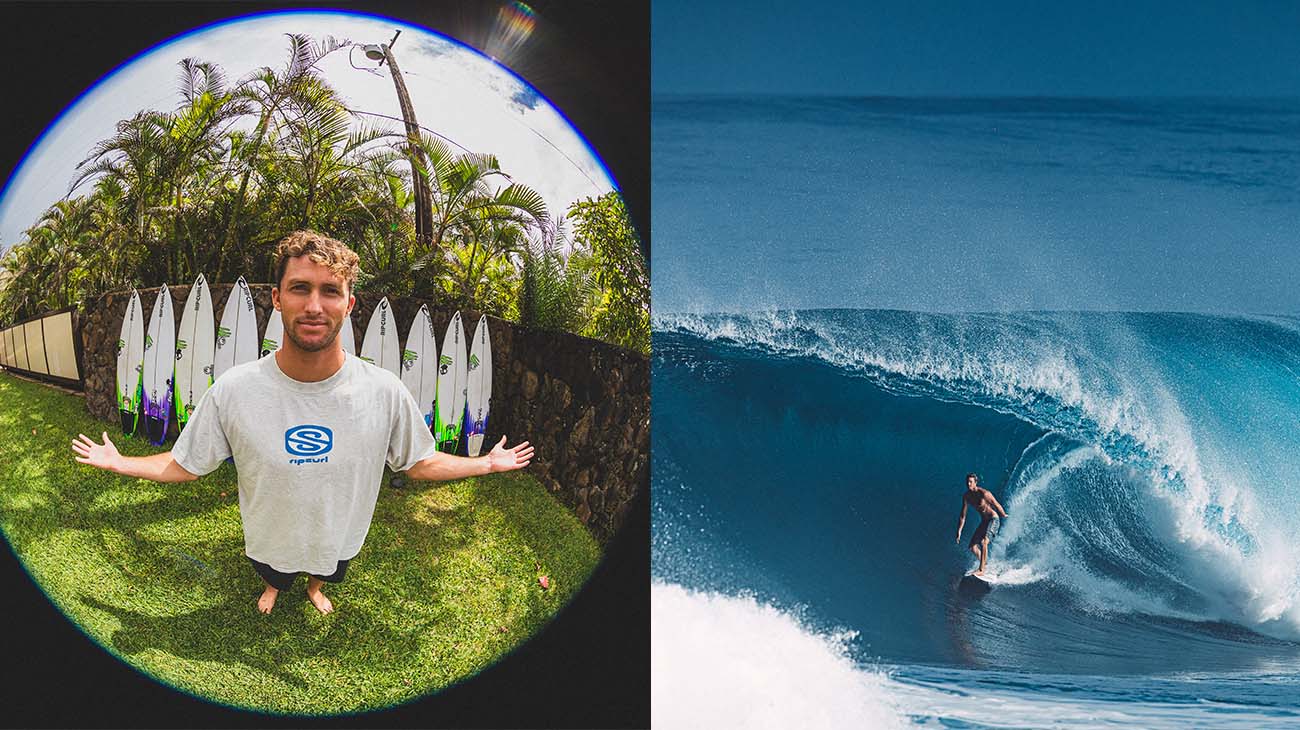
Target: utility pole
<point>423,196</point>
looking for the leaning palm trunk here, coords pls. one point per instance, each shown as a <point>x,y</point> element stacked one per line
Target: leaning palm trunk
<point>419,164</point>
<point>238,208</point>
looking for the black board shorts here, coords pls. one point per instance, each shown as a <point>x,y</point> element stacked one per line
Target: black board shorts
<point>988,528</point>
<point>282,581</point>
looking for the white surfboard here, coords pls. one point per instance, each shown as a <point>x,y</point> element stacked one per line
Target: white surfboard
<point>478,391</point>
<point>130,364</point>
<point>380,345</point>
<point>237,334</point>
<point>419,363</point>
<point>346,336</point>
<point>195,346</point>
<point>274,336</point>
<point>159,367</point>
<point>449,411</point>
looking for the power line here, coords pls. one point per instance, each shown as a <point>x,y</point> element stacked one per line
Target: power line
<point>439,135</point>
<point>541,136</point>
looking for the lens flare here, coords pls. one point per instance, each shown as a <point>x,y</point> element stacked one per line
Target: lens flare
<point>515,24</point>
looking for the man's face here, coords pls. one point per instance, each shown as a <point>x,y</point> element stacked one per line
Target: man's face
<point>971,484</point>
<point>313,301</point>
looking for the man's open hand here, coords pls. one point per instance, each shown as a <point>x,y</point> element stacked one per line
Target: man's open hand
<point>503,459</point>
<point>102,456</point>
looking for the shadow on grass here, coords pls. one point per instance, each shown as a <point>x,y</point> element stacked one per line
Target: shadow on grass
<point>293,648</point>
<point>201,635</point>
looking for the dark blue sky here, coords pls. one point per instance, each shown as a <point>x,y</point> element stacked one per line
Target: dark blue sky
<point>961,48</point>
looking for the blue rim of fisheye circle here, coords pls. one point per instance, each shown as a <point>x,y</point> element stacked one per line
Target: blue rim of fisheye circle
<point>303,11</point>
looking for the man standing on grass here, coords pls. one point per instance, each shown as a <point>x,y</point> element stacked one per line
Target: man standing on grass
<point>310,429</point>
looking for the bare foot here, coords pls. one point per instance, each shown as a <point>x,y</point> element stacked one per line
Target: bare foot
<point>321,603</point>
<point>978,572</point>
<point>267,601</point>
<point>317,598</point>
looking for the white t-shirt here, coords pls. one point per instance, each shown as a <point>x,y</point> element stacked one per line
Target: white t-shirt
<point>310,455</point>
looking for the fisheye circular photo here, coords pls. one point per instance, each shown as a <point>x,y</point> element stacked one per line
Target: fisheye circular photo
<point>325,360</point>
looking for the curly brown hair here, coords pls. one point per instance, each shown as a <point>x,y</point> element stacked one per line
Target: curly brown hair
<point>326,251</point>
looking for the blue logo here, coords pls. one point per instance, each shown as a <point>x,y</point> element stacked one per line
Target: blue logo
<point>308,440</point>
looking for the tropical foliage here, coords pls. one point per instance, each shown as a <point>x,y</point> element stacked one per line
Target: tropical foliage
<point>212,185</point>
<point>554,289</point>
<point>619,303</point>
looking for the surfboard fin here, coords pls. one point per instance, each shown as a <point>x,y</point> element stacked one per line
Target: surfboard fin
<point>474,433</point>
<point>164,419</point>
<point>154,429</point>
<point>131,414</point>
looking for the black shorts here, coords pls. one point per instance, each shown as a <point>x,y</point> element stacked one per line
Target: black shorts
<point>282,581</point>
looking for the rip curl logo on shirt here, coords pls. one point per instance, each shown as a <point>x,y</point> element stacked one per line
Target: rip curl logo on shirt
<point>311,443</point>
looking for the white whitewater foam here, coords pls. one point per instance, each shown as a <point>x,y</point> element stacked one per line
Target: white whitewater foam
<point>1048,554</point>
<point>1016,575</point>
<point>721,661</point>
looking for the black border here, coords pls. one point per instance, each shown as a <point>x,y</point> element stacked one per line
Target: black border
<point>590,666</point>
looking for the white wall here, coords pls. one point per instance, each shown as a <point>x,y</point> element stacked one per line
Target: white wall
<point>44,346</point>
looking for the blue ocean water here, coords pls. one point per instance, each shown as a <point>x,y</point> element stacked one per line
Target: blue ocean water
<point>976,204</point>
<point>812,434</point>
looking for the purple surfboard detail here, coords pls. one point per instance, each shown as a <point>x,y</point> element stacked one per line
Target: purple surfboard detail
<point>476,428</point>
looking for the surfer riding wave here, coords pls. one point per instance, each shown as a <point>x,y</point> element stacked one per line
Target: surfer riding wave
<point>1125,502</point>
<point>987,505</point>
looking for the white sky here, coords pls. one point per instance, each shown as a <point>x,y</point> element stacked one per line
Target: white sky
<point>456,92</point>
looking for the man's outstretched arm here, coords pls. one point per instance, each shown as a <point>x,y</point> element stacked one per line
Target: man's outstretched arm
<point>159,467</point>
<point>442,467</point>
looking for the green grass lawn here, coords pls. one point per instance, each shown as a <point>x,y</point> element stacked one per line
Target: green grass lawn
<point>446,584</point>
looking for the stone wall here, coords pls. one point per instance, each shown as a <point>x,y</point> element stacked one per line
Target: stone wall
<point>584,404</point>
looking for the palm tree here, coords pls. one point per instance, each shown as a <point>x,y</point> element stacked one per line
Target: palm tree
<point>134,159</point>
<point>270,93</point>
<point>110,256</point>
<point>324,158</point>
<point>197,153</point>
<point>555,291</point>
<point>478,269</point>
<point>24,264</point>
<point>380,219</point>
<point>155,158</point>
<point>58,236</point>
<point>465,201</point>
